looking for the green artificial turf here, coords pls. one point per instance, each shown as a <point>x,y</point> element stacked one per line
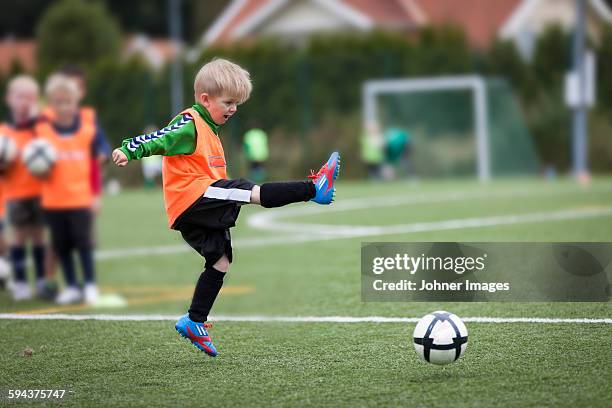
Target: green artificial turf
<point>106,363</point>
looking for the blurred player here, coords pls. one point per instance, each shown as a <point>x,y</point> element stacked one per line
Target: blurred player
<point>397,151</point>
<point>22,190</point>
<point>200,201</point>
<point>255,144</point>
<point>67,196</point>
<point>372,149</point>
<point>99,156</point>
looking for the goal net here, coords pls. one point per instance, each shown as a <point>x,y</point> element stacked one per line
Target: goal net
<point>457,126</point>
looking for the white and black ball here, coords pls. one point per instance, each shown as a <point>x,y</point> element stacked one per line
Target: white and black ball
<point>440,338</point>
<point>39,156</point>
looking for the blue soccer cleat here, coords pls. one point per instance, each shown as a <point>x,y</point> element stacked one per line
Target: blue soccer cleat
<point>197,334</point>
<point>324,180</point>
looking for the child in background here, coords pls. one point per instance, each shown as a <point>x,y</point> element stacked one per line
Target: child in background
<point>67,196</point>
<point>99,155</point>
<point>200,201</point>
<point>22,190</point>
<point>256,150</point>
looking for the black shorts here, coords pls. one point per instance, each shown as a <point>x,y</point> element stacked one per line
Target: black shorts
<point>70,229</point>
<point>25,213</point>
<point>205,225</point>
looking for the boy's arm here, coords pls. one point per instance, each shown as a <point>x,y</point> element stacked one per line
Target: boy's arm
<point>179,137</point>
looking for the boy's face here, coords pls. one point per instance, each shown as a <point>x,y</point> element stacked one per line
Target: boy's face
<point>221,108</point>
<point>22,102</point>
<point>65,104</point>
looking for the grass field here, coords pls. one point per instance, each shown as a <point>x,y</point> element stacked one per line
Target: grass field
<point>304,260</point>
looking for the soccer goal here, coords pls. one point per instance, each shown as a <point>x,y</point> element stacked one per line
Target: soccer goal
<point>458,125</point>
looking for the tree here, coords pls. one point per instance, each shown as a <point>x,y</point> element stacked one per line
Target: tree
<point>443,50</point>
<point>503,60</point>
<point>76,32</point>
<point>552,57</point>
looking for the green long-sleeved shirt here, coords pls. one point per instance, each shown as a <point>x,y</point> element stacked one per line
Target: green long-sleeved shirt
<point>179,137</point>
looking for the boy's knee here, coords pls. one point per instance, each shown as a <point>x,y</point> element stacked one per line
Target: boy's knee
<point>223,264</point>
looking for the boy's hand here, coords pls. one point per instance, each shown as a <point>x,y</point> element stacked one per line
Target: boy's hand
<point>119,158</point>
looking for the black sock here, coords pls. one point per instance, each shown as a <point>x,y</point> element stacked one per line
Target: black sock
<point>67,263</point>
<point>18,256</point>
<point>206,291</point>
<point>87,263</point>
<point>279,194</point>
<point>38,253</point>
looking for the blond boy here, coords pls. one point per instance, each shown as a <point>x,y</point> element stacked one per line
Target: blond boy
<point>67,195</point>
<point>201,202</point>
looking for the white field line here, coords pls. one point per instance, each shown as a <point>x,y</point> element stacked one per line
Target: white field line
<point>262,219</point>
<point>331,232</point>
<point>298,319</point>
<point>348,231</point>
<point>299,232</point>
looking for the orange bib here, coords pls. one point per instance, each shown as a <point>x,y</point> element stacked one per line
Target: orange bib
<point>187,176</point>
<point>68,186</point>
<point>2,200</point>
<point>19,184</point>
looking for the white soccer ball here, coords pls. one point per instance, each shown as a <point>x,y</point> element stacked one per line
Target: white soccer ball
<point>440,338</point>
<point>8,152</point>
<point>39,157</point>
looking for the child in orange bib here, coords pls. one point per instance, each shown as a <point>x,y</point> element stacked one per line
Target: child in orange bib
<point>22,190</point>
<point>201,202</point>
<point>67,195</point>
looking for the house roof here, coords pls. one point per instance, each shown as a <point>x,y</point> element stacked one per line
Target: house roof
<point>389,12</point>
<point>241,16</point>
<point>336,7</point>
<point>481,19</point>
<point>233,15</point>
<point>516,22</point>
<point>23,51</point>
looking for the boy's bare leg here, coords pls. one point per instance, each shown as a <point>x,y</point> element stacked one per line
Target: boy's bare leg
<point>255,195</point>
<point>222,265</point>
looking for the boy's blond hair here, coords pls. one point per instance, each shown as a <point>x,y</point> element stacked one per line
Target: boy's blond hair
<point>61,82</point>
<point>22,82</point>
<point>221,77</point>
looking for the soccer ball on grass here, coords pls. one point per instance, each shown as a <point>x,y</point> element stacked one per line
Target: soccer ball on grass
<point>440,338</point>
